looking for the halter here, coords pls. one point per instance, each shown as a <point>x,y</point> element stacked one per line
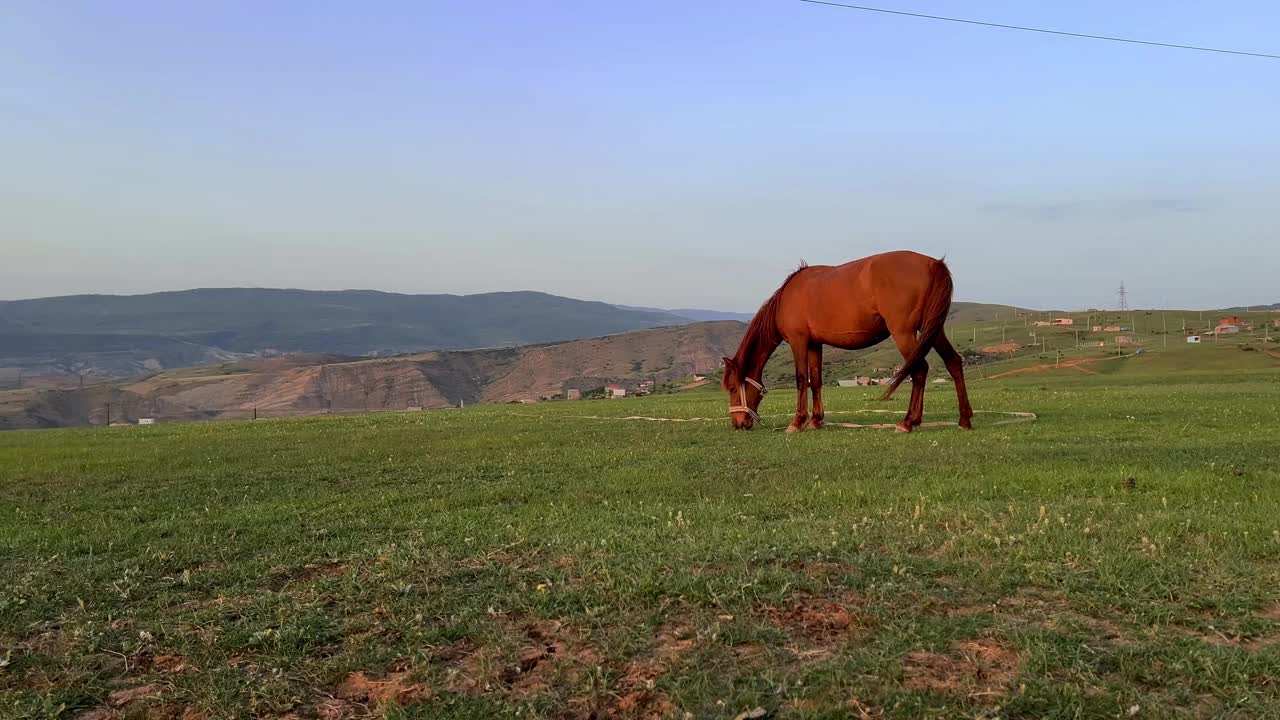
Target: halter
<point>742,398</point>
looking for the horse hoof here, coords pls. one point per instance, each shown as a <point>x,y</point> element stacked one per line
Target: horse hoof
<point>815,426</point>
<point>966,425</point>
<point>794,428</point>
<point>903,427</point>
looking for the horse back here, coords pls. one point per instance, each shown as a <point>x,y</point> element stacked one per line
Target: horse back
<point>856,304</point>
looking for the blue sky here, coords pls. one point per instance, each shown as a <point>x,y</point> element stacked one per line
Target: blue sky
<point>667,152</point>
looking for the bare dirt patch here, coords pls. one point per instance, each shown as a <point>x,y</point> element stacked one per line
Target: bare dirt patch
<point>1223,640</point>
<point>128,696</point>
<point>750,654</point>
<point>51,643</point>
<point>396,688</point>
<point>553,656</point>
<point>981,670</point>
<point>639,696</point>
<point>1076,364</point>
<point>1001,348</point>
<point>819,619</point>
<point>316,571</point>
<point>1045,610</point>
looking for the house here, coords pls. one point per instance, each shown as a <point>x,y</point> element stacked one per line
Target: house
<point>615,391</point>
<point>847,383</point>
<point>1226,329</point>
<point>573,394</point>
<point>1064,321</point>
<point>1231,320</point>
<point>1112,328</point>
<point>1041,323</point>
<point>1124,340</point>
<point>1097,328</point>
<point>1193,339</point>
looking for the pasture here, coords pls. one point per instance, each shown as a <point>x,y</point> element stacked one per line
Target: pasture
<point>1118,557</point>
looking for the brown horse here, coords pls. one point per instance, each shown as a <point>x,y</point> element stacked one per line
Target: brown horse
<point>851,306</point>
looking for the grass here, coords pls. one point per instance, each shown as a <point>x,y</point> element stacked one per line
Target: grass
<point>1118,557</point>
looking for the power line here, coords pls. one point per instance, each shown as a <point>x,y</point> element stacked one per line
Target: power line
<point>864,8</point>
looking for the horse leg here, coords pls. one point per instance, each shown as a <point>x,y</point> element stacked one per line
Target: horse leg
<point>906,342</point>
<point>955,366</point>
<point>800,353</point>
<point>815,383</point>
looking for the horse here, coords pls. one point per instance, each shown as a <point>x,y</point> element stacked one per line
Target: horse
<point>852,306</point>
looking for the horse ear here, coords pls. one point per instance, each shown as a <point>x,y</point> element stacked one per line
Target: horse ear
<point>728,362</point>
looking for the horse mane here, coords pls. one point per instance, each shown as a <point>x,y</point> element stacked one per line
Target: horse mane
<point>763,329</point>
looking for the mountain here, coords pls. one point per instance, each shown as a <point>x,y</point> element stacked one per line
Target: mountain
<point>971,312</point>
<point>1274,307</point>
<point>694,314</point>
<point>309,384</point>
<point>116,334</point>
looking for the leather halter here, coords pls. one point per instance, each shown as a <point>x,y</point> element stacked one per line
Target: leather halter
<point>742,398</point>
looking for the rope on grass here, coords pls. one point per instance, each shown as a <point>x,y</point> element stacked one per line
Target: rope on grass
<point>1013,418</point>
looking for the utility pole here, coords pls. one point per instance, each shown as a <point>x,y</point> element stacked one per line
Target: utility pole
<point>1165,320</point>
<point>1124,297</point>
<point>1077,339</point>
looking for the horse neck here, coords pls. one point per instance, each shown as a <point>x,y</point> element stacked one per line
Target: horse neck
<point>754,354</point>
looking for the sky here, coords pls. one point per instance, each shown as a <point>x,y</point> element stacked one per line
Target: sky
<point>671,153</point>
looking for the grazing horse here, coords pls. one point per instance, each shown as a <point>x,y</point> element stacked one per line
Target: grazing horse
<point>851,306</point>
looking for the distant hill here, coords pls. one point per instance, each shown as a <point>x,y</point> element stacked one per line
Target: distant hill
<point>309,384</point>
<point>970,312</point>
<point>694,314</point>
<point>119,333</point>
<point>1256,308</point>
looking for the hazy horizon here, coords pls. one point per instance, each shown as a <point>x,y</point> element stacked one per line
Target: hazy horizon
<point>662,154</point>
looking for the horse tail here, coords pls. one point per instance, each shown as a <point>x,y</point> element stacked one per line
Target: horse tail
<point>937,306</point>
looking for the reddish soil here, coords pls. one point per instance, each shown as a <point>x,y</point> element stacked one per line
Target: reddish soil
<point>982,670</point>
<point>1076,364</point>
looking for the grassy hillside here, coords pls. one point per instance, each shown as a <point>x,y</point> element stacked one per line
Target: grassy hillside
<point>354,322</point>
<point>309,383</point>
<point>1118,557</point>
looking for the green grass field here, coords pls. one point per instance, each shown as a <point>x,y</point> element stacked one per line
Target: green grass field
<point>1118,557</point>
